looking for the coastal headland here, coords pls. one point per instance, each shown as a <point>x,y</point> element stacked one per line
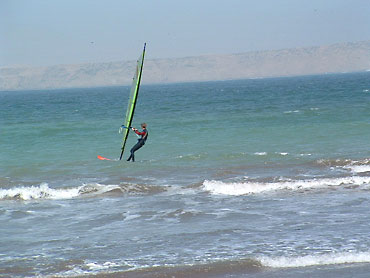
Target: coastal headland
<point>336,58</point>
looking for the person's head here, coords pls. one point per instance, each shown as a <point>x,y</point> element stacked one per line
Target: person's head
<point>143,125</point>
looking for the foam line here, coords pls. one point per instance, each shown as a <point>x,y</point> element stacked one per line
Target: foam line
<point>43,191</point>
<point>222,188</point>
<point>319,259</point>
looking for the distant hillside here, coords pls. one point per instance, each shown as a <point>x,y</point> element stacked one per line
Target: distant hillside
<point>343,57</point>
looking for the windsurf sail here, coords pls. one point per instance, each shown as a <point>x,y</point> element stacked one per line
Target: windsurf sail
<point>132,100</point>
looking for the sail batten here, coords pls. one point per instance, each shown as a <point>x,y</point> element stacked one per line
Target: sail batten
<point>132,99</point>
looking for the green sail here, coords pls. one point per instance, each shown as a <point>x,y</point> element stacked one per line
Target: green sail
<point>132,100</point>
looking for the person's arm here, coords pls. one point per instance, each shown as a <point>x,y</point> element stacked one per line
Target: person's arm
<point>138,132</point>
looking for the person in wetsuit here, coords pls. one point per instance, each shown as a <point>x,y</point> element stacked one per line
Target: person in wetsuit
<point>141,141</point>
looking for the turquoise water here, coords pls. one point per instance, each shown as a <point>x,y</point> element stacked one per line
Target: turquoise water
<point>48,134</point>
<point>224,168</point>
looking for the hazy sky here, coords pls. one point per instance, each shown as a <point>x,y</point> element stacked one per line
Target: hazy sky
<point>47,32</point>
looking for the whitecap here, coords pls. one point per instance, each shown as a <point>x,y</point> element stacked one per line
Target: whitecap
<point>95,266</point>
<point>358,168</point>
<point>260,153</point>
<point>43,191</point>
<point>245,188</point>
<point>314,260</point>
<point>290,112</point>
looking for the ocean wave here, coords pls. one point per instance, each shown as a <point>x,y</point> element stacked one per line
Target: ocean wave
<point>260,153</point>
<point>355,166</point>
<point>219,268</point>
<point>314,260</point>
<point>358,168</point>
<point>252,187</point>
<point>344,162</point>
<point>291,111</point>
<point>266,153</point>
<point>134,188</point>
<point>212,269</point>
<point>43,191</point>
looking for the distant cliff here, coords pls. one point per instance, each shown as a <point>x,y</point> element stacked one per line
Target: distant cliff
<point>343,57</point>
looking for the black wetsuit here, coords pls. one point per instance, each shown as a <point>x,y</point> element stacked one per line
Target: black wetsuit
<point>141,142</point>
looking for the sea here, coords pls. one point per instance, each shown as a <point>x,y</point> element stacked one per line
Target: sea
<point>264,178</point>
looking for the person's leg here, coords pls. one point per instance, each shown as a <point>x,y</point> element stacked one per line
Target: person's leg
<point>129,157</point>
<point>134,149</point>
<point>133,154</point>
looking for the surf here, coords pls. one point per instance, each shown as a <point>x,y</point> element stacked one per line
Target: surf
<point>256,187</point>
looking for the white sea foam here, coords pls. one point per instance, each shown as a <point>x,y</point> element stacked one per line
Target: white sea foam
<point>289,112</point>
<point>87,269</point>
<point>359,168</point>
<point>260,153</point>
<point>319,259</point>
<point>235,189</point>
<point>356,166</point>
<point>38,192</point>
<point>43,191</point>
<point>95,266</point>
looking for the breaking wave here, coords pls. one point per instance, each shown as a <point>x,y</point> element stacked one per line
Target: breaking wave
<point>314,260</point>
<point>245,188</point>
<point>344,162</point>
<point>43,191</point>
<point>212,269</point>
<point>221,268</point>
<point>355,166</point>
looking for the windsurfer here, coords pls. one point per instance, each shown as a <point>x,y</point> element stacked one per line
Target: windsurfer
<point>141,141</point>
